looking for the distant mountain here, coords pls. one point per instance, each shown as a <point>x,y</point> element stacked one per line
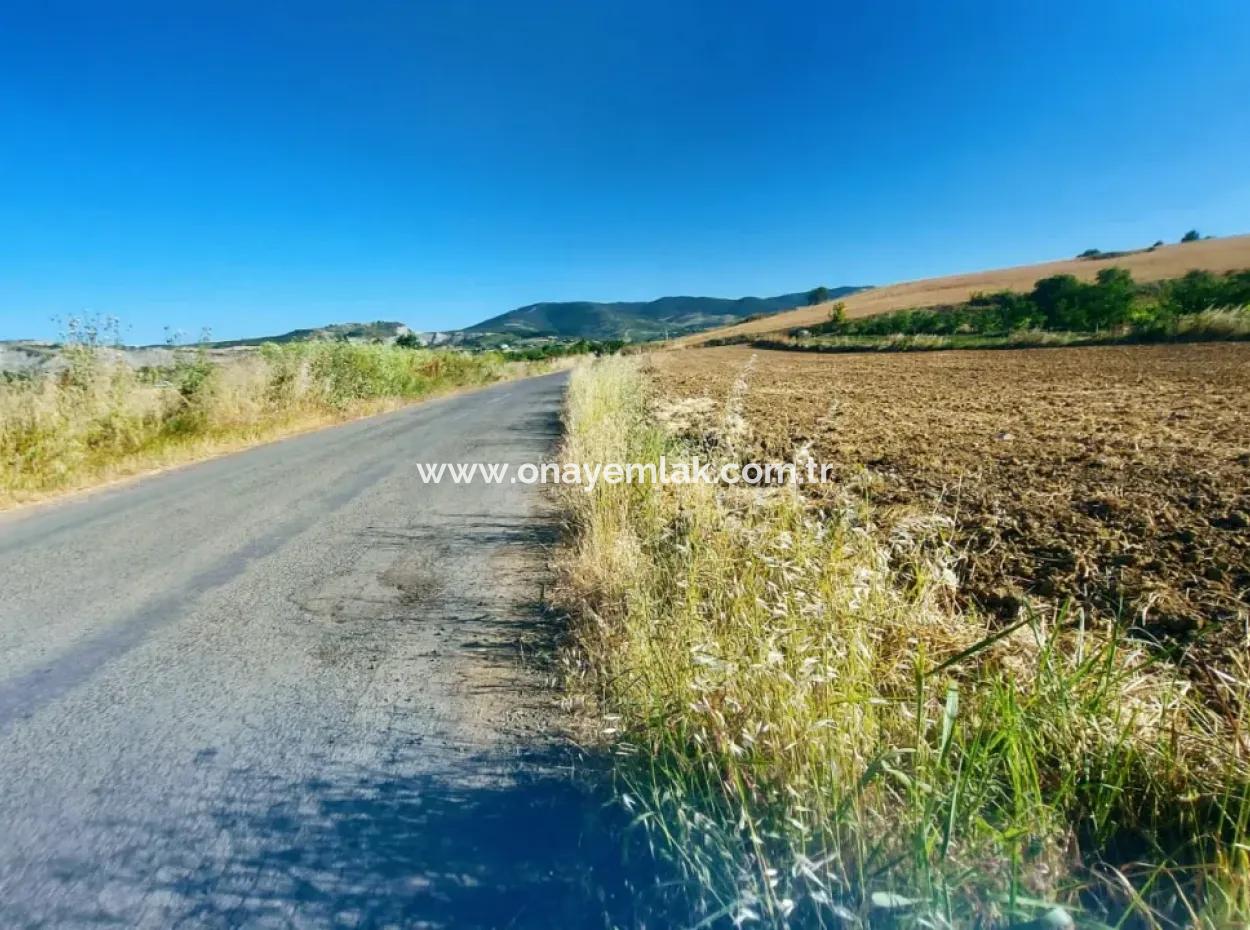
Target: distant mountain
<point>631,321</point>
<point>637,321</point>
<point>378,331</point>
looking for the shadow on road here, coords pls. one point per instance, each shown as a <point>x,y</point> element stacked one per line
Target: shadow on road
<point>437,835</point>
<point>514,850</point>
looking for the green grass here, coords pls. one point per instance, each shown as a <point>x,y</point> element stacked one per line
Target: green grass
<point>97,419</point>
<point>804,720</point>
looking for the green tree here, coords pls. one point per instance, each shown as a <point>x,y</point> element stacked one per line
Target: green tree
<point>1002,311</point>
<point>1109,302</point>
<point>1058,300</point>
<point>1202,290</point>
<point>817,295</point>
<point>1193,293</point>
<point>408,341</point>
<point>1191,236</point>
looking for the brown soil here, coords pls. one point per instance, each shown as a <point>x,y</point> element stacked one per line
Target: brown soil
<point>1117,477</point>
<point>1231,253</point>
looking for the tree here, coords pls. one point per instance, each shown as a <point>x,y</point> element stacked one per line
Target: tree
<point>1110,299</point>
<point>408,341</point>
<point>1191,236</point>
<point>817,295</point>
<point>1058,299</point>
<point>837,314</point>
<point>1202,290</point>
<point>1007,311</point>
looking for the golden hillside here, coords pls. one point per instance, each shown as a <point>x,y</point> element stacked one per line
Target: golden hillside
<point>1218,255</point>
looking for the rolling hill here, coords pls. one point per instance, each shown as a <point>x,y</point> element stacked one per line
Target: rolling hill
<point>384,330</point>
<point>636,321</point>
<point>630,321</point>
<point>1229,253</point>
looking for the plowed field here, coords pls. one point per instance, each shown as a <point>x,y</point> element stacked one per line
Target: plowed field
<point>1116,479</point>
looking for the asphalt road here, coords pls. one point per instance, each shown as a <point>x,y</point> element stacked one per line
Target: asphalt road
<point>286,688</point>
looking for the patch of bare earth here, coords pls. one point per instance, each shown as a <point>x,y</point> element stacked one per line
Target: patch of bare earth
<point>1116,478</point>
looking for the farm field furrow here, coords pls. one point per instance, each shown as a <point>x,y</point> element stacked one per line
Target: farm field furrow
<point>1116,479</point>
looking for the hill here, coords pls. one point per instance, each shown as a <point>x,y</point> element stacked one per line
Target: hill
<point>636,321</point>
<point>1231,253</point>
<point>33,355</point>
<point>383,330</point>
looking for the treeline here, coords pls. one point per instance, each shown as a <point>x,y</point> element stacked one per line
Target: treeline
<point>1062,303</point>
<point>534,353</point>
<point>562,349</point>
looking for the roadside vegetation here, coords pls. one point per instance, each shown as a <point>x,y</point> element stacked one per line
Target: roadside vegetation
<point>1060,310</point>
<point>817,730</point>
<point>98,418</point>
<point>564,349</point>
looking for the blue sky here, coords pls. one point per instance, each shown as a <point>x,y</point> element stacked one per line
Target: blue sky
<point>255,167</point>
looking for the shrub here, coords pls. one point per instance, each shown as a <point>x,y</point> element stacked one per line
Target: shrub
<point>1202,290</point>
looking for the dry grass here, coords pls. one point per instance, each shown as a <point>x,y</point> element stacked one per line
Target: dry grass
<point>99,420</point>
<point>816,731</point>
<point>1217,255</point>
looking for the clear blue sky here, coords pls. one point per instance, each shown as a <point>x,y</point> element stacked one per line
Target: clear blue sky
<point>253,167</point>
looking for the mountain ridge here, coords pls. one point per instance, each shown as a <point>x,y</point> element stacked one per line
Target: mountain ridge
<point>630,321</point>
<point>638,320</point>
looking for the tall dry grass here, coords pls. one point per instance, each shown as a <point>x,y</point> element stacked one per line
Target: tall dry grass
<point>98,418</point>
<point>815,735</point>
<point>1215,323</point>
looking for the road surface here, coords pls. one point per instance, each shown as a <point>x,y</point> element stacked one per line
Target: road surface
<point>285,688</point>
